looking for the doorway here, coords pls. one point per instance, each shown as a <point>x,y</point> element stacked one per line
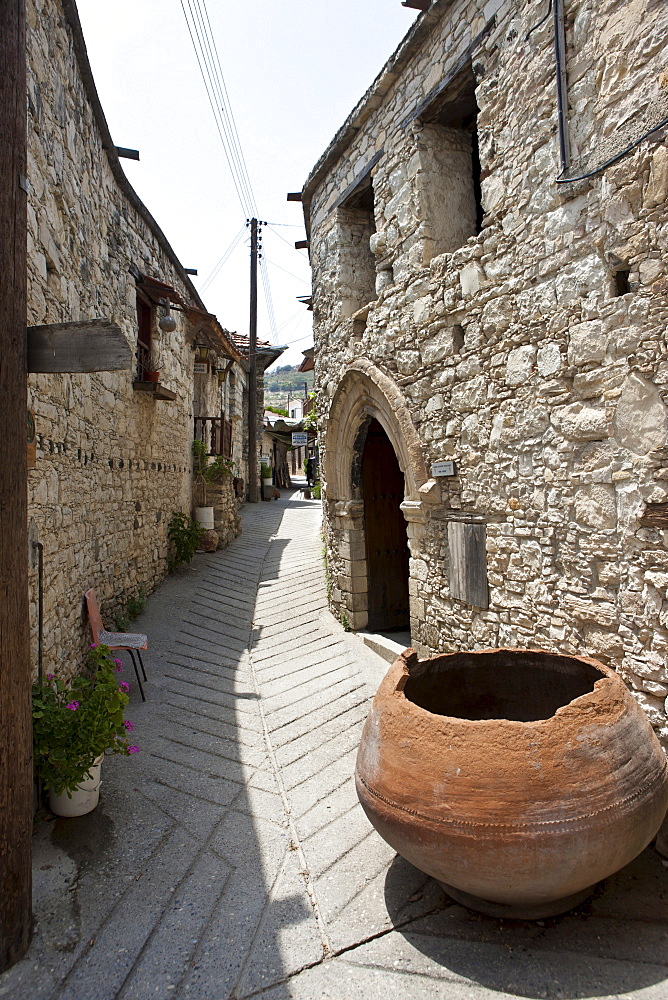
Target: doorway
<point>385,533</point>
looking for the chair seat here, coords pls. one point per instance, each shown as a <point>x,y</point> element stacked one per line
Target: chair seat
<point>123,640</point>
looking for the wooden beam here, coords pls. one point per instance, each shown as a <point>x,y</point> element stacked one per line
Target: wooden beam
<point>655,516</point>
<point>129,154</point>
<point>16,781</point>
<point>302,245</point>
<point>294,196</point>
<point>94,345</point>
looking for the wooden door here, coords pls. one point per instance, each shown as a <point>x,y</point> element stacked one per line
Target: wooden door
<point>385,530</point>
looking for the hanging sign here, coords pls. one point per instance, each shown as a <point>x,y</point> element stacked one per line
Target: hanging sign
<point>299,439</point>
<point>201,368</point>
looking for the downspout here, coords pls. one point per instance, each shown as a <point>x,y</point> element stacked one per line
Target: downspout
<point>562,89</point>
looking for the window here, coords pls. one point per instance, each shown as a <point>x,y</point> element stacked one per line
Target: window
<point>357,264</point>
<point>450,165</point>
<point>144,337</point>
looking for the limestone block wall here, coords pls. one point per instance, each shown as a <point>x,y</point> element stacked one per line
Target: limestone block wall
<point>112,463</point>
<point>533,354</point>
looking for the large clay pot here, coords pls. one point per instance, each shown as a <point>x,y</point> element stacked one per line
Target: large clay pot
<point>517,778</point>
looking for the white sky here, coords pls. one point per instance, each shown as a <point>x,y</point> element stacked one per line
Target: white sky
<point>294,69</point>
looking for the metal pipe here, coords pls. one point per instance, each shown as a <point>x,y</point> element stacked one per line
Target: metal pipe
<point>40,607</point>
<point>562,86</point>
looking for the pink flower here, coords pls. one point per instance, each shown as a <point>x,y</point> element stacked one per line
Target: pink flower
<point>73,705</point>
<point>124,686</point>
<point>133,749</point>
<point>50,677</point>
<point>129,725</point>
<point>119,664</point>
<point>93,645</point>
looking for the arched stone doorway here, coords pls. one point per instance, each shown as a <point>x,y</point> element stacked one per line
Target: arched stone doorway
<point>367,396</point>
<point>386,538</point>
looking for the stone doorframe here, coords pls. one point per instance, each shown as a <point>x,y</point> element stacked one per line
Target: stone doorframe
<point>363,394</point>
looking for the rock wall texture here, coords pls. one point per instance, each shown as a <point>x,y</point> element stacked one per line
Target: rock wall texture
<point>516,328</point>
<point>112,463</point>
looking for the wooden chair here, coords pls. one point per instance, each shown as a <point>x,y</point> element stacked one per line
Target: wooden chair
<point>129,642</point>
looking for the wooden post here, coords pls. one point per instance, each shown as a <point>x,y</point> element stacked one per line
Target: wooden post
<point>16,786</point>
<point>252,372</point>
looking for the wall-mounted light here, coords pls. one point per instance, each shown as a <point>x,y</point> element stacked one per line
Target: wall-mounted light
<point>167,323</point>
<point>202,352</point>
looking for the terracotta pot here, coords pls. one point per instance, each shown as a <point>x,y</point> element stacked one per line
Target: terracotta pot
<point>517,778</point>
<point>152,376</point>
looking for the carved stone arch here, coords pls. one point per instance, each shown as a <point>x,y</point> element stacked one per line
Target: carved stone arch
<point>365,392</point>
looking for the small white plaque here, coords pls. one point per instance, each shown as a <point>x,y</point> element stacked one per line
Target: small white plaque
<point>299,439</point>
<point>443,468</point>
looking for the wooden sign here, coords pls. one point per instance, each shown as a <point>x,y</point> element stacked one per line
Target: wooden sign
<point>32,439</point>
<point>95,345</point>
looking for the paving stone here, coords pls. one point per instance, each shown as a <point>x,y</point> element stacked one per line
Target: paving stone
<point>232,847</point>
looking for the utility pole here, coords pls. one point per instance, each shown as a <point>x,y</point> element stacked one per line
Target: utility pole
<point>252,370</point>
<point>16,784</point>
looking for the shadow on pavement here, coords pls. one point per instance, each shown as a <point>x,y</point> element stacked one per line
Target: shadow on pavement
<point>615,943</point>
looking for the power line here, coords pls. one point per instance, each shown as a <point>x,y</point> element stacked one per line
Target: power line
<point>270,225</point>
<point>201,36</point>
<point>223,260</point>
<point>268,299</point>
<point>273,263</point>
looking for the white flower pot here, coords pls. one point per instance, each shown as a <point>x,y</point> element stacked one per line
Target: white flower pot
<point>204,517</point>
<point>267,481</point>
<point>84,797</point>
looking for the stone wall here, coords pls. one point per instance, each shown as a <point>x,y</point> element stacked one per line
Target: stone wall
<point>532,353</point>
<point>112,463</point>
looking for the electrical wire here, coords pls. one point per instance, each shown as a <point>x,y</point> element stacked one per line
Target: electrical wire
<point>538,24</point>
<point>209,62</point>
<point>273,263</point>
<point>223,260</point>
<point>613,159</point>
<point>271,316</point>
<point>287,242</point>
<point>201,36</point>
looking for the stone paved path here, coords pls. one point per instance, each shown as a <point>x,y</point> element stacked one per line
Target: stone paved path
<point>229,859</point>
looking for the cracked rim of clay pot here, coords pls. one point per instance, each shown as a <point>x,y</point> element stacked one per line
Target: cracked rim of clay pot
<point>414,670</point>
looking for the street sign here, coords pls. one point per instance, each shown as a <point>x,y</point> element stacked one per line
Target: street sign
<point>299,439</point>
<point>443,469</point>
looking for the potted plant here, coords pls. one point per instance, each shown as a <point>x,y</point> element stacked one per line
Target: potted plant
<point>74,725</point>
<point>203,512</point>
<point>265,474</point>
<point>152,373</point>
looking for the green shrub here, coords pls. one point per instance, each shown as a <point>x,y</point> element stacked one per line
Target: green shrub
<point>185,535</point>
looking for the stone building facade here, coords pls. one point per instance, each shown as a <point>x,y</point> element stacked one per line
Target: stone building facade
<point>113,452</point>
<point>475,305</point>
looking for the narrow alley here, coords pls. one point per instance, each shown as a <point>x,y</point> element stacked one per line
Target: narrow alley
<point>230,859</point>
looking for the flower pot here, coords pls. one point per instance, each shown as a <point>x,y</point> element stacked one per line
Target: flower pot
<point>84,797</point>
<point>267,480</point>
<point>151,376</point>
<point>204,517</point>
<point>517,778</point>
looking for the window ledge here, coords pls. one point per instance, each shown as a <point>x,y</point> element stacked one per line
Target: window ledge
<point>157,390</point>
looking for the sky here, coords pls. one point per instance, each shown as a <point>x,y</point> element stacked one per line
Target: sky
<point>294,69</point>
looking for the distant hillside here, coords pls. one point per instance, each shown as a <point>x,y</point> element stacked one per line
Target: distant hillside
<point>288,379</point>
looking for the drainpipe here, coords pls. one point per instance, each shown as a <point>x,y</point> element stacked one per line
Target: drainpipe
<point>40,607</point>
<point>562,89</point>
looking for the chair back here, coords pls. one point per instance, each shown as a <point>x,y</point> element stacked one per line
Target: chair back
<point>94,616</point>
